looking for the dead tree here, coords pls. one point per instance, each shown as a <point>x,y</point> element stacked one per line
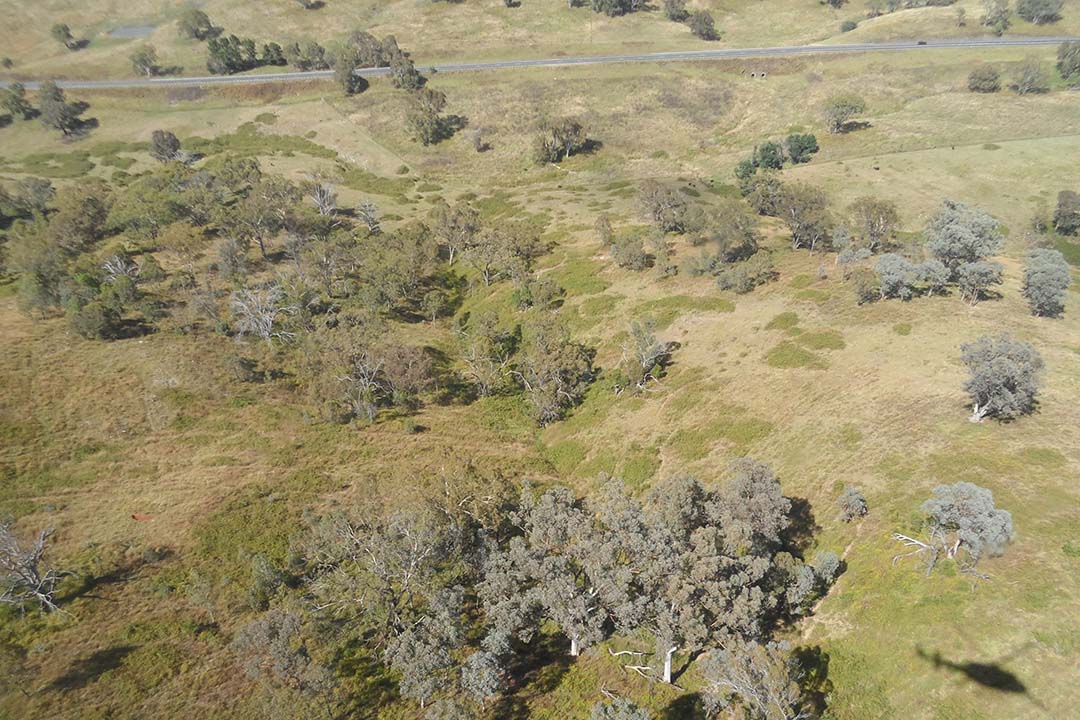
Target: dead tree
<point>25,578</point>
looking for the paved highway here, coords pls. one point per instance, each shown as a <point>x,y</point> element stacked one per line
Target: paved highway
<point>676,56</point>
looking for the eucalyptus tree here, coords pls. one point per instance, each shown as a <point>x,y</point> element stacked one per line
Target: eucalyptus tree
<point>1004,378</point>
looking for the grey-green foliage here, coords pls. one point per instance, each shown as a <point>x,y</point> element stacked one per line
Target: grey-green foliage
<point>975,278</point>
<point>1004,376</point>
<point>1046,282</point>
<point>896,276</point>
<point>481,676</point>
<point>764,679</point>
<point>960,234</point>
<point>744,276</point>
<point>1039,12</point>
<point>554,570</point>
<point>13,99</point>
<point>962,516</point>
<point>272,648</point>
<point>553,369</point>
<point>932,275</point>
<point>421,653</point>
<point>628,250</point>
<point>618,709</point>
<point>852,504</point>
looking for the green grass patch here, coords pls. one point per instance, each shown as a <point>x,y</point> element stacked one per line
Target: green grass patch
<point>641,465</point>
<point>790,355</point>
<point>1070,249</point>
<point>784,321</point>
<point>361,180</point>
<point>801,281</point>
<point>247,141</point>
<point>507,415</point>
<point>266,118</point>
<point>822,340</point>
<point>578,276</point>
<point>565,456</point>
<point>813,295</point>
<point>902,328</point>
<point>735,428</point>
<point>665,310</point>
<point>52,165</point>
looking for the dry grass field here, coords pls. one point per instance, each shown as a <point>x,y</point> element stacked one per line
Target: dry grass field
<point>446,31</point>
<point>829,392</point>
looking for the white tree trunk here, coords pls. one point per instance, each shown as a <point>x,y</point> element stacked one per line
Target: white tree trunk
<point>667,664</point>
<point>574,646</point>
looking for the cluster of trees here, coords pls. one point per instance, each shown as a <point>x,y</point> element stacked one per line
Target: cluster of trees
<point>452,592</point>
<point>1031,76</point>
<point>558,139</point>
<point>700,22</point>
<point>960,238</point>
<point>771,155</point>
<point>54,110</point>
<point>319,294</point>
<point>229,54</point>
<point>726,233</point>
<point>997,14</point>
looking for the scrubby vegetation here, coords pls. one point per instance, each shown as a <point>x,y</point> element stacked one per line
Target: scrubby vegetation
<point>639,392</point>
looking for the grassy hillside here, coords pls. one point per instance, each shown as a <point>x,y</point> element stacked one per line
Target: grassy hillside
<point>471,30</point>
<point>163,474</point>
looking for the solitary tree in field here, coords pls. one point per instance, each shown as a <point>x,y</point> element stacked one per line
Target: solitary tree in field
<point>164,146</point>
<point>1046,282</point>
<point>13,100</point>
<point>840,110</point>
<point>960,234</point>
<point>62,34</point>
<point>963,524</point>
<point>55,111</point>
<point>852,504</point>
<point>984,79</point>
<point>1067,213</point>
<point>1031,77</point>
<point>24,576</point>
<point>558,140</point>
<point>194,24</point>
<point>1004,377</point>
<point>144,60</point>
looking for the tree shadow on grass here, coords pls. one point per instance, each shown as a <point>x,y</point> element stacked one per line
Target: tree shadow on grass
<point>799,536</point>
<point>684,707</point>
<point>86,670</point>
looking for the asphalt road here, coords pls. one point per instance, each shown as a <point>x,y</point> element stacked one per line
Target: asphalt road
<point>677,56</point>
